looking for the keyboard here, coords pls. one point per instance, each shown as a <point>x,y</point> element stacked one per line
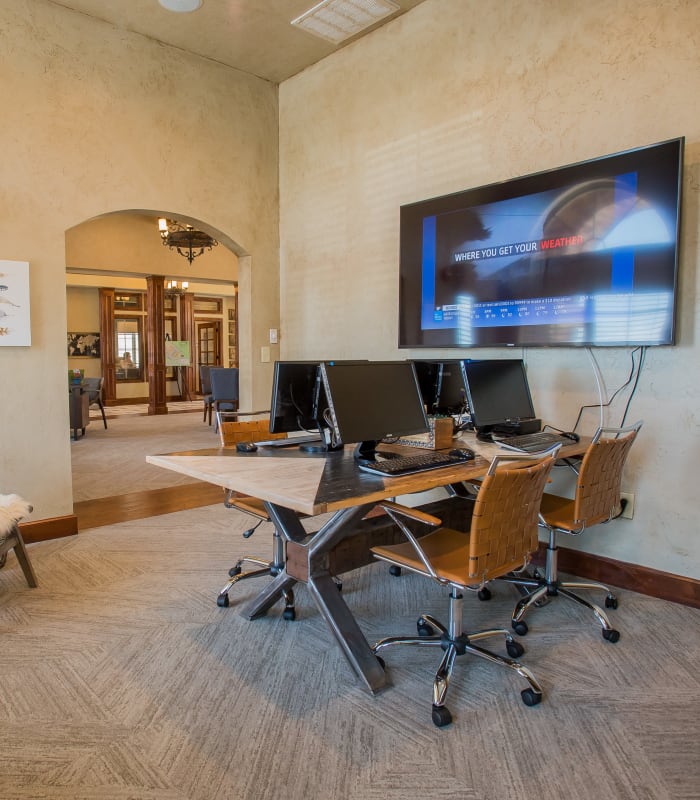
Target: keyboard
<point>407,465</point>
<point>291,441</point>
<point>534,442</point>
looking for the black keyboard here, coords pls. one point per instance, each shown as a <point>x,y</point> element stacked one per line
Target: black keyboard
<point>534,442</point>
<point>407,465</point>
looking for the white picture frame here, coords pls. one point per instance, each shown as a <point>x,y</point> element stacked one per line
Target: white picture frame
<point>15,320</point>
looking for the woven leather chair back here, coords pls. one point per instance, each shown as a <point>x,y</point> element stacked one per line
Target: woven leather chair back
<point>505,518</point>
<point>254,431</point>
<point>597,496</point>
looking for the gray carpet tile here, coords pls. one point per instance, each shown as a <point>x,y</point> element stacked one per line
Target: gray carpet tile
<point>121,678</point>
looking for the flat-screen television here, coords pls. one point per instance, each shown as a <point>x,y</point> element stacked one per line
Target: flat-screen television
<point>499,394</point>
<point>583,255</point>
<point>371,401</point>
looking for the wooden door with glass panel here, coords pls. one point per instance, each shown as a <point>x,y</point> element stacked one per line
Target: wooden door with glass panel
<point>208,345</point>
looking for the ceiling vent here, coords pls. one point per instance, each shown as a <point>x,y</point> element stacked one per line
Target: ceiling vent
<point>337,20</point>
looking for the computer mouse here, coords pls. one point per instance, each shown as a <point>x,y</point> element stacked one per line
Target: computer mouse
<point>246,447</point>
<point>463,452</point>
<point>571,435</point>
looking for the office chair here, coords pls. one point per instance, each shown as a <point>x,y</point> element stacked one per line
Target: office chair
<point>230,433</point>
<point>596,501</point>
<point>502,535</point>
<point>12,509</point>
<point>94,388</point>
<point>205,385</point>
<point>224,389</point>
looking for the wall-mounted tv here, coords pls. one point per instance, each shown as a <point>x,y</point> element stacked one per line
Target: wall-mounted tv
<point>583,255</point>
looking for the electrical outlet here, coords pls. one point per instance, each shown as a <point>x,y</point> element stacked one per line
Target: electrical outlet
<point>628,511</point>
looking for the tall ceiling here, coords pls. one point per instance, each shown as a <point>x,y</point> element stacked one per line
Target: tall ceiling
<point>254,36</point>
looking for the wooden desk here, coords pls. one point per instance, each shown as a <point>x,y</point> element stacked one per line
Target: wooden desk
<point>291,483</point>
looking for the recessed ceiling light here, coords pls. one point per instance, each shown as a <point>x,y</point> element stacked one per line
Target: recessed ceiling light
<point>336,20</point>
<point>181,5</point>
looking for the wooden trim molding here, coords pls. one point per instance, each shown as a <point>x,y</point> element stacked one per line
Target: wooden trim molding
<point>635,578</point>
<point>51,528</point>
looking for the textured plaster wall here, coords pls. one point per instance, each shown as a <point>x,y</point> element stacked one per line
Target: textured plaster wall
<point>458,93</point>
<point>97,120</point>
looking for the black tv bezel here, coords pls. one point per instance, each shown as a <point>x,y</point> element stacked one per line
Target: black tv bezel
<point>410,297</point>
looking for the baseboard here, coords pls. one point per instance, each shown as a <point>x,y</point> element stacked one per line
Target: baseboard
<point>652,582</point>
<point>52,528</point>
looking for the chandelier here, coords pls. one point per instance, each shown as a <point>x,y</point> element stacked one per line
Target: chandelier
<point>173,287</point>
<point>188,242</point>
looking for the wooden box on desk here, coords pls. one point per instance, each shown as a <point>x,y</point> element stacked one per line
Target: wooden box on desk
<point>439,437</point>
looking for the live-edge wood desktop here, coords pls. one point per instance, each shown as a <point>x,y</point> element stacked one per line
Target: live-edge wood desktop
<point>291,482</point>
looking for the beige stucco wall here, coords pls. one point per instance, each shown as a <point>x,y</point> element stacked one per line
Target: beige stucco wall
<point>97,120</point>
<point>456,94</point>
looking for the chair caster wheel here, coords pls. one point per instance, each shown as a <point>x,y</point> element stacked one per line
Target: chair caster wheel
<point>611,635</point>
<point>611,601</point>
<point>441,716</point>
<point>222,601</point>
<point>424,629</point>
<point>484,593</point>
<point>289,614</point>
<point>234,571</point>
<point>394,570</point>
<point>531,697</point>
<point>515,649</point>
<point>520,627</point>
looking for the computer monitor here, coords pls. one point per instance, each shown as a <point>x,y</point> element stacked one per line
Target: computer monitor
<point>498,394</point>
<point>452,389</point>
<point>428,376</point>
<point>293,393</point>
<point>371,401</point>
<point>442,386</point>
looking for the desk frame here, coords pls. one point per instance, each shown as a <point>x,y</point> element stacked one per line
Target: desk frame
<point>339,487</point>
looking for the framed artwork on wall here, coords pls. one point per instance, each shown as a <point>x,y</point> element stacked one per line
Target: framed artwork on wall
<point>15,327</point>
<point>83,345</point>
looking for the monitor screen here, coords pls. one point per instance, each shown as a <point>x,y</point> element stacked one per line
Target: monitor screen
<point>498,392</point>
<point>293,395</point>
<point>428,375</point>
<point>371,401</point>
<point>452,390</point>
<point>582,255</point>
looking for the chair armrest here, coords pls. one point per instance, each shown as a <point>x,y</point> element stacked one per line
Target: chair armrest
<point>412,513</point>
<point>396,511</point>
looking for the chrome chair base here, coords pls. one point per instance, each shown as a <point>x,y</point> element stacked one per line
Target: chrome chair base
<point>543,590</point>
<point>268,568</point>
<point>457,645</point>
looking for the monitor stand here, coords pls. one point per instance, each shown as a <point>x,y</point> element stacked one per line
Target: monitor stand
<point>324,446</point>
<point>519,427</point>
<point>366,451</point>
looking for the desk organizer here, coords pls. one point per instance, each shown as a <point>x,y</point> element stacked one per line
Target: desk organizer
<point>439,437</point>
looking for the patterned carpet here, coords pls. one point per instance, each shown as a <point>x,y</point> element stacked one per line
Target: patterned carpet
<point>141,409</point>
<point>122,679</point>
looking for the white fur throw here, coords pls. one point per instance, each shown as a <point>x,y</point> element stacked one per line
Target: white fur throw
<point>12,509</point>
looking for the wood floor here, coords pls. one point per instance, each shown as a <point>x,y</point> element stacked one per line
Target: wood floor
<point>149,503</point>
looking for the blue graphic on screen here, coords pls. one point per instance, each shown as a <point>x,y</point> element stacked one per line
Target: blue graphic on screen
<point>514,262</point>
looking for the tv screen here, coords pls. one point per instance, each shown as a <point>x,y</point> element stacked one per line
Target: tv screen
<point>583,255</point>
